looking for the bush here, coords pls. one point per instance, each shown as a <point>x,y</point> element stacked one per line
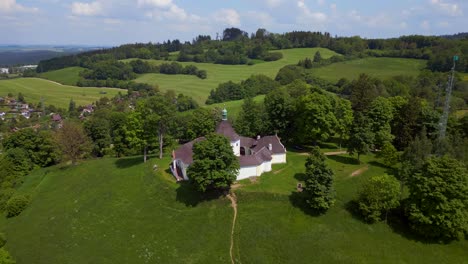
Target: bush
<point>2,239</point>
<point>16,205</point>
<point>5,257</point>
<point>5,195</point>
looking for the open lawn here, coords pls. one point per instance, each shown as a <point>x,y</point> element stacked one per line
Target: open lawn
<point>217,73</point>
<point>59,95</point>
<point>67,76</point>
<point>376,67</point>
<point>120,211</point>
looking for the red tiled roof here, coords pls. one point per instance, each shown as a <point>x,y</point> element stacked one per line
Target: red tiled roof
<point>277,147</point>
<point>224,128</point>
<point>256,159</point>
<point>185,152</point>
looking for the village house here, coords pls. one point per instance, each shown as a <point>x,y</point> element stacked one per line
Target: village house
<point>4,70</point>
<point>255,155</point>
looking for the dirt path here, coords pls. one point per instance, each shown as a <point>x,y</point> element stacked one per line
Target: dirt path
<point>335,153</point>
<point>359,171</point>
<point>326,153</point>
<point>233,198</point>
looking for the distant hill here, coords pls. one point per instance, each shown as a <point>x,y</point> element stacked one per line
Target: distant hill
<point>14,54</point>
<point>463,35</point>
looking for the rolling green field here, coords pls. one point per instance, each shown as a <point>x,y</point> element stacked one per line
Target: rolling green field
<point>120,211</point>
<point>376,67</point>
<point>217,73</point>
<point>34,89</point>
<point>67,76</point>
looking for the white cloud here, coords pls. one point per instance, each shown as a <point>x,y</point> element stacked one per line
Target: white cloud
<point>425,25</point>
<point>10,6</point>
<point>446,7</point>
<point>86,9</point>
<point>308,16</point>
<point>156,3</point>
<point>228,17</point>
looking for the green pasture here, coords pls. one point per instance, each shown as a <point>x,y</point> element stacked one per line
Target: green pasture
<point>59,95</point>
<point>67,76</point>
<point>375,67</point>
<point>121,211</point>
<point>217,73</point>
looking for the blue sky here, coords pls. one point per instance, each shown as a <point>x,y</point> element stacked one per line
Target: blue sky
<point>111,22</point>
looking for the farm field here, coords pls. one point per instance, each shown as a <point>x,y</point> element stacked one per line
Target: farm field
<point>67,76</point>
<point>59,95</point>
<point>217,73</point>
<point>375,67</point>
<point>120,211</point>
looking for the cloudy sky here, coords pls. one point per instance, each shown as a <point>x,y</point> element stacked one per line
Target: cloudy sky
<point>113,22</point>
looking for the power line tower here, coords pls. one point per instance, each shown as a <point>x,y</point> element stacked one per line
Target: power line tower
<point>448,95</point>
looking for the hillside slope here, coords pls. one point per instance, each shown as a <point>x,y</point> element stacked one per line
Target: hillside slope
<point>56,94</point>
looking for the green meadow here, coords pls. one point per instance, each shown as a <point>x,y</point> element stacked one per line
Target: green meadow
<point>121,211</point>
<point>67,76</point>
<point>52,93</point>
<point>217,73</point>
<point>375,67</point>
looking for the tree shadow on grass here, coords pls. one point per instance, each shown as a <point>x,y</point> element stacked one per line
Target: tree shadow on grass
<point>298,200</point>
<point>123,163</point>
<point>188,195</point>
<point>388,170</point>
<point>395,220</point>
<point>344,159</point>
<point>300,176</point>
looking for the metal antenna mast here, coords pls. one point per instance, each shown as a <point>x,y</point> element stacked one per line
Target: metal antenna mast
<point>448,95</point>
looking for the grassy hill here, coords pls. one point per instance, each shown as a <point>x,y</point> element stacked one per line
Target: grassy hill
<point>67,76</point>
<point>376,67</point>
<point>217,73</point>
<point>59,95</point>
<point>120,211</point>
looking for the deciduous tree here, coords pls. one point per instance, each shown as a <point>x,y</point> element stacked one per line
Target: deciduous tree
<point>73,141</point>
<point>214,164</point>
<point>437,206</point>
<point>378,196</point>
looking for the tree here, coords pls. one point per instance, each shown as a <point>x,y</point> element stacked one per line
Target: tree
<point>214,164</point>
<point>378,196</point>
<point>380,115</point>
<point>280,109</point>
<point>71,107</point>
<point>165,109</point>
<point>40,147</point>
<point>200,122</point>
<point>316,119</point>
<point>361,139</point>
<point>344,118</point>
<point>318,190</point>
<point>251,119</point>
<point>73,141</point>
<point>317,57</point>
<point>98,129</point>
<point>388,154</point>
<point>21,98</point>
<point>437,205</point>
<point>363,92</point>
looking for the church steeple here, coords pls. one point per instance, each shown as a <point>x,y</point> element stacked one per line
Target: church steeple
<point>224,114</point>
